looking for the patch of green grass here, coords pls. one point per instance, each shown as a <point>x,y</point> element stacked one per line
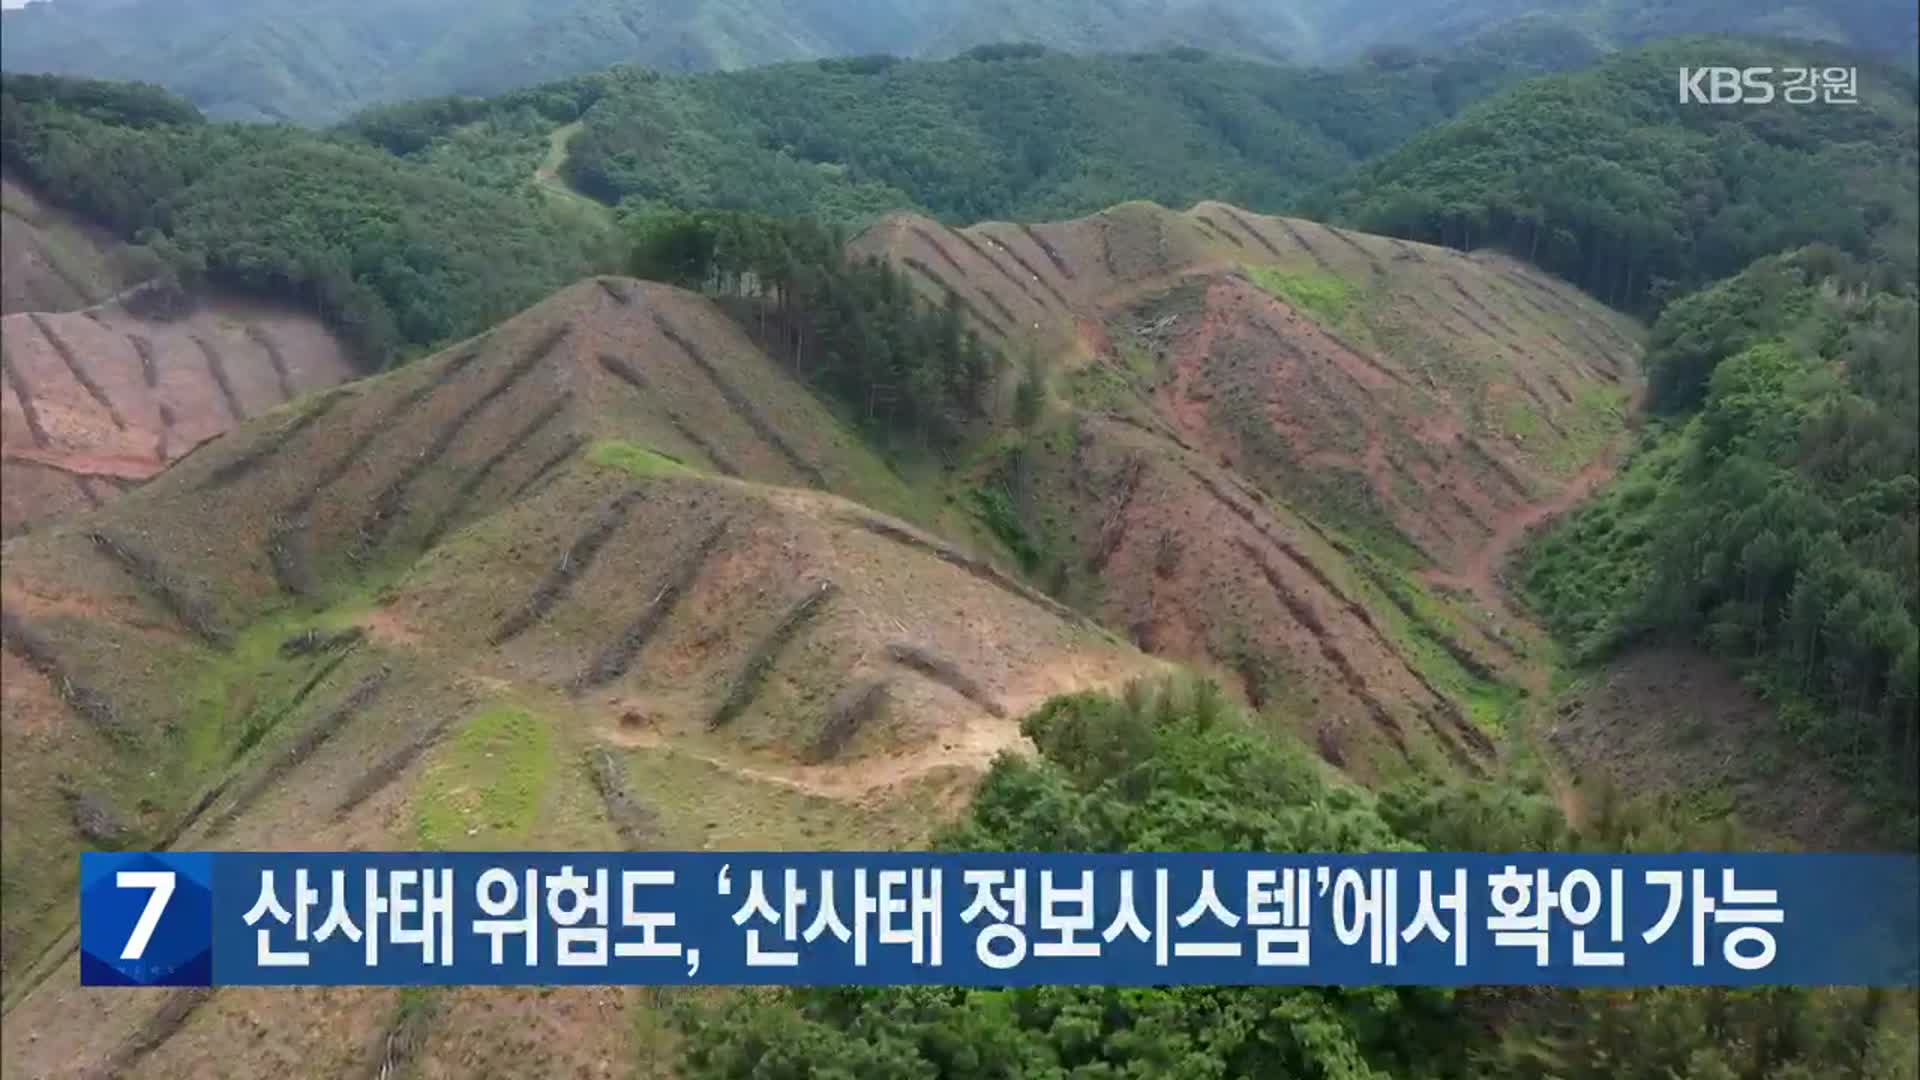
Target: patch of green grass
<point>1427,633</point>
<point>1263,674</point>
<point>237,699</point>
<point>996,511</point>
<point>550,177</point>
<point>635,460</point>
<point>1326,296</point>
<point>1518,418</point>
<point>1101,387</point>
<point>1707,803</point>
<point>485,788</point>
<point>1491,705</point>
<point>1137,359</point>
<point>413,1015</point>
<point>1599,414</point>
<point>1341,497</point>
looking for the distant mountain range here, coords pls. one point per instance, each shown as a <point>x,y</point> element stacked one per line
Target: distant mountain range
<point>313,62</point>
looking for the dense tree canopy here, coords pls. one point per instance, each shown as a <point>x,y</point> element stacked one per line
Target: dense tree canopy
<point>854,327</point>
<point>1608,179</point>
<point>1003,131</point>
<point>1173,768</point>
<point>1777,515</point>
<point>1016,134</point>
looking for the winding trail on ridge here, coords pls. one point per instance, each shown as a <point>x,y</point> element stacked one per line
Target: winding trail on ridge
<point>1480,574</point>
<point>1480,577</point>
<point>547,176</point>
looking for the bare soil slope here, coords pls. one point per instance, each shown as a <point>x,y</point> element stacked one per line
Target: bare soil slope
<point>51,260</point>
<point>579,583</point>
<point>1675,726</point>
<point>1293,452</point>
<point>101,386</point>
<point>99,400</point>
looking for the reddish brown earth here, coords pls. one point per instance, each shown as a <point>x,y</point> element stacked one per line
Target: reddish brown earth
<point>96,396</point>
<point>1198,566</point>
<point>1249,483</point>
<point>1234,503</point>
<point>98,400</point>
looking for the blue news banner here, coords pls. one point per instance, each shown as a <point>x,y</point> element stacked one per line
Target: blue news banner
<point>240,919</point>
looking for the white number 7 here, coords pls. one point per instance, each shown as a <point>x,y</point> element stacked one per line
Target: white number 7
<point>161,882</point>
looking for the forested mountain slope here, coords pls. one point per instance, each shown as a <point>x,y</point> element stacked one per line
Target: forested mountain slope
<point>1016,132</point>
<point>1607,178</point>
<point>1771,507</point>
<point>1773,514</point>
<point>313,62</point>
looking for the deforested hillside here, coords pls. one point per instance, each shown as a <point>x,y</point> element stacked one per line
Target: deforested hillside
<point>96,401</point>
<point>53,261</point>
<point>595,578</point>
<point>112,370</point>
<point>611,575</point>
<point>1294,453</point>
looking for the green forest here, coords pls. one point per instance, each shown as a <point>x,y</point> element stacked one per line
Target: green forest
<point>1174,767</point>
<point>980,138</point>
<point>854,328</point>
<point>971,139</point>
<point>1771,510</point>
<point>1605,178</point>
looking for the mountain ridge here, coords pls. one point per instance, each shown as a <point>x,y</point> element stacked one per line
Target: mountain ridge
<point>290,61</point>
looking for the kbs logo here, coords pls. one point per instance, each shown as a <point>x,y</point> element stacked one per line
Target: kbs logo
<point>1764,85</point>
